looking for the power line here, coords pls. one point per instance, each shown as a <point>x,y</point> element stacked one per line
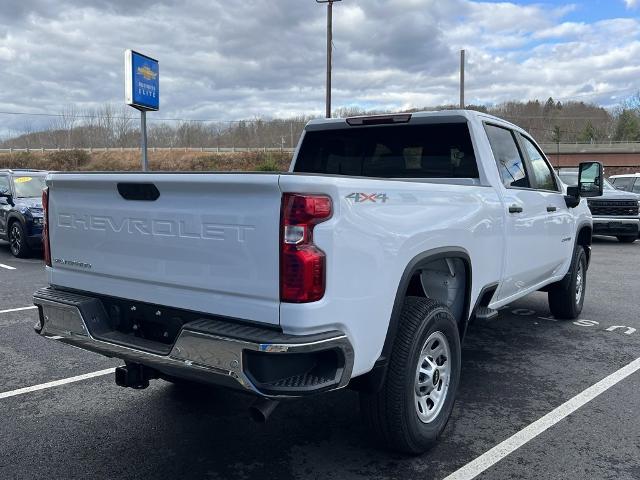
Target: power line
<point>121,117</point>
<point>542,117</point>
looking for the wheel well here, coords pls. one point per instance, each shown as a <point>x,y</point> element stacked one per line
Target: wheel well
<point>584,239</point>
<point>443,275</point>
<point>443,280</point>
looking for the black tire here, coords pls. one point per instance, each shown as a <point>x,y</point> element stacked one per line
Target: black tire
<point>392,414</point>
<point>564,302</point>
<point>18,241</point>
<point>626,238</point>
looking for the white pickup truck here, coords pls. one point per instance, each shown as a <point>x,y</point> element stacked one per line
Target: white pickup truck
<point>362,266</point>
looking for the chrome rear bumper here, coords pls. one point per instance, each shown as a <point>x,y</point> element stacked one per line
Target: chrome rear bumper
<point>207,350</point>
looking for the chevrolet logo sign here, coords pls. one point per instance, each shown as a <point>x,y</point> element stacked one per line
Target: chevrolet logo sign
<point>147,73</point>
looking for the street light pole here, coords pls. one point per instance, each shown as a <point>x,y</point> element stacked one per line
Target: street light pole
<point>462,102</point>
<point>329,50</point>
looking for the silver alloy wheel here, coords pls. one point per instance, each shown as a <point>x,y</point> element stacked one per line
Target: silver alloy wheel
<point>15,239</point>
<point>579,283</point>
<point>432,377</point>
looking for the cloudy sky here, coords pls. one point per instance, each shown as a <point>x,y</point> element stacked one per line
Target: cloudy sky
<point>237,59</point>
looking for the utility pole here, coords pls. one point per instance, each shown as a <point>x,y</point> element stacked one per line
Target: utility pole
<point>462,104</point>
<point>557,138</point>
<point>329,50</point>
<point>291,132</point>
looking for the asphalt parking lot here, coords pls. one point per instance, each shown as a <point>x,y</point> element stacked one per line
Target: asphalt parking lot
<point>516,369</point>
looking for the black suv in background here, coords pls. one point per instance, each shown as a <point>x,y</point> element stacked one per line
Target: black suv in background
<point>614,214</point>
<point>21,209</point>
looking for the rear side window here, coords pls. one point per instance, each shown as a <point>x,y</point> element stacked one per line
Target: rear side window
<point>623,183</point>
<point>541,169</point>
<point>399,151</point>
<point>508,158</point>
<point>4,184</point>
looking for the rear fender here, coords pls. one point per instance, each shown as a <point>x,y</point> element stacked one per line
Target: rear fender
<point>372,381</point>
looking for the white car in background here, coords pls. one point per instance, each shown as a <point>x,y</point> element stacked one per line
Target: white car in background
<point>629,182</point>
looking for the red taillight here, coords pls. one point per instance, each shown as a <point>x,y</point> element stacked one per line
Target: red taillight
<point>302,264</point>
<point>46,248</point>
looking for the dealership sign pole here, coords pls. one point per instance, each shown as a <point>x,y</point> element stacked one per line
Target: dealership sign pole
<point>142,91</point>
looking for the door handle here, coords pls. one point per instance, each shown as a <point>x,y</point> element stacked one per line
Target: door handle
<point>515,209</point>
<point>551,209</point>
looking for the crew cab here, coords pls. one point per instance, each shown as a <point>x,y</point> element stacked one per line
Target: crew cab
<point>21,215</point>
<point>362,266</point>
<point>614,214</point>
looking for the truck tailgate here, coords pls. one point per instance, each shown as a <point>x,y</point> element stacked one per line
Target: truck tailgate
<point>208,243</point>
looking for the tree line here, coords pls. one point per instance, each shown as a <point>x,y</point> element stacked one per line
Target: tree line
<point>118,126</point>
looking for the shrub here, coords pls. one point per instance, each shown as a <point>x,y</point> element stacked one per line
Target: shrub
<point>67,160</point>
<point>21,160</point>
<point>271,162</point>
<point>268,167</point>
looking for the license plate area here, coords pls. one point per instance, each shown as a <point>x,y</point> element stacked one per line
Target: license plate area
<point>140,325</point>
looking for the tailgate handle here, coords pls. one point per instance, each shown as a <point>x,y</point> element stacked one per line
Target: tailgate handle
<point>138,191</point>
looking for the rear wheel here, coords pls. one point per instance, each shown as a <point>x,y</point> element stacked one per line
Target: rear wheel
<point>18,241</point>
<point>415,402</point>
<point>626,238</point>
<point>567,296</point>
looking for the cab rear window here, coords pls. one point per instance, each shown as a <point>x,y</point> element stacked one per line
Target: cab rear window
<point>392,151</point>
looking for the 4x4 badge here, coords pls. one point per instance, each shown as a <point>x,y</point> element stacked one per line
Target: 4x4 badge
<point>368,197</point>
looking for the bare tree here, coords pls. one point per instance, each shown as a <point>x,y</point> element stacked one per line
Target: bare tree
<point>68,118</point>
<point>123,126</point>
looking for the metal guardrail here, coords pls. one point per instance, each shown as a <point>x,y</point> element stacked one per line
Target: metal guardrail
<point>153,149</point>
<point>611,147</point>
<point>549,148</point>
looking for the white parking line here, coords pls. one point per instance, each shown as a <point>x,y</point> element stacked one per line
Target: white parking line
<point>8,267</point>
<point>18,309</point>
<point>500,451</point>
<point>56,383</point>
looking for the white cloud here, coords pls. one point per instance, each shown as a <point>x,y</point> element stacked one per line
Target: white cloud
<point>632,3</point>
<point>562,30</point>
<point>232,60</point>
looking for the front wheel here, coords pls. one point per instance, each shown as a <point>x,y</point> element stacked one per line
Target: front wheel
<point>18,241</point>
<point>626,238</point>
<point>567,296</point>
<point>415,402</point>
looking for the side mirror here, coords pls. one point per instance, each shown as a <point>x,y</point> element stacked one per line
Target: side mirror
<point>8,197</point>
<point>590,183</point>
<point>590,177</point>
